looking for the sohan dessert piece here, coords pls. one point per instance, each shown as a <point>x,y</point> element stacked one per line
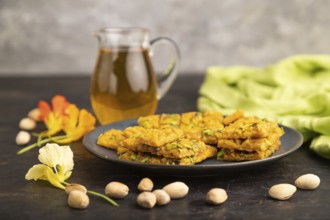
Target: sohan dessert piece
<point>159,121</point>
<point>249,127</point>
<point>190,124</point>
<point>249,138</point>
<point>227,154</point>
<point>212,125</point>
<point>191,119</point>
<point>177,149</point>
<point>251,144</point>
<point>239,113</point>
<point>169,120</point>
<point>127,154</point>
<point>111,139</point>
<point>150,121</point>
<point>205,126</point>
<point>153,137</point>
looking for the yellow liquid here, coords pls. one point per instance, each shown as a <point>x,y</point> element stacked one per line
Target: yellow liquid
<point>123,85</point>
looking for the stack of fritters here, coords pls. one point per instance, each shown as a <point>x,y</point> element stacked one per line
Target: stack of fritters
<point>249,138</point>
<point>195,125</point>
<point>165,145</point>
<point>185,139</point>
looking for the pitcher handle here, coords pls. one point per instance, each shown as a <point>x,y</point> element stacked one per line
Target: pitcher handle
<point>166,79</point>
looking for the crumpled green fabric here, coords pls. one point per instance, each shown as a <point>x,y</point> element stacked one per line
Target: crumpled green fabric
<point>295,91</point>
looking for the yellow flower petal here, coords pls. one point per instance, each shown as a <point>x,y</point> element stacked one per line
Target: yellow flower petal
<point>50,155</point>
<point>55,179</point>
<point>66,140</point>
<point>37,172</point>
<point>43,172</point>
<point>76,124</point>
<point>57,165</point>
<point>70,120</point>
<point>53,124</point>
<point>54,155</point>
<point>67,158</point>
<point>86,119</point>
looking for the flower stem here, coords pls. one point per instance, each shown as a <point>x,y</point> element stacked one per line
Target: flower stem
<point>40,136</point>
<point>103,197</point>
<point>39,143</point>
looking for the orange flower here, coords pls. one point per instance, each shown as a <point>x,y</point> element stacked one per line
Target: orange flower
<point>62,117</point>
<point>76,124</point>
<point>53,117</point>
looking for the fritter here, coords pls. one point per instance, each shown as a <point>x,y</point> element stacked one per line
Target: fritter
<point>153,137</point>
<point>169,120</point>
<point>195,125</point>
<point>150,121</point>
<point>111,139</point>
<point>177,149</point>
<point>185,139</point>
<point>233,117</point>
<point>212,125</point>
<point>249,127</point>
<point>126,154</point>
<point>242,155</point>
<point>250,144</point>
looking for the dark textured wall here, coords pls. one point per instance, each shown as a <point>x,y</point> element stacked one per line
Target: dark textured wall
<point>48,36</point>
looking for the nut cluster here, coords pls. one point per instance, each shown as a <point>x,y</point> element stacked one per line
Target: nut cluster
<point>27,124</point>
<point>285,191</point>
<point>147,199</point>
<point>77,196</point>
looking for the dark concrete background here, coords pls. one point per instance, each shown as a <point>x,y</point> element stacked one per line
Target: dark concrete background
<point>46,37</point>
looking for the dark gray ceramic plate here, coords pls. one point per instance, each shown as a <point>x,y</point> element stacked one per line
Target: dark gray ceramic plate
<point>291,141</point>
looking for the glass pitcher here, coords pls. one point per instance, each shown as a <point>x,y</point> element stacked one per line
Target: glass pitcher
<point>124,84</point>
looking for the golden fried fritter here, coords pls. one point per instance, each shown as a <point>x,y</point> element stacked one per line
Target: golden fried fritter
<point>249,144</point>
<point>233,117</point>
<point>249,138</point>
<point>126,154</point>
<point>111,139</point>
<point>150,121</point>
<point>241,155</point>
<point>177,149</point>
<point>249,127</point>
<point>158,121</point>
<point>170,120</point>
<point>152,137</point>
<point>191,119</point>
<point>183,139</point>
<point>196,125</point>
<point>211,127</point>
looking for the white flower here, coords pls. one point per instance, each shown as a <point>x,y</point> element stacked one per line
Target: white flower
<point>56,167</point>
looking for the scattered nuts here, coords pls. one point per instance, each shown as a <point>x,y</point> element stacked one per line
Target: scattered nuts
<point>216,196</point>
<point>162,198</point>
<point>23,137</point>
<point>34,114</point>
<point>176,190</point>
<point>282,191</point>
<point>146,200</point>
<point>116,190</point>
<point>78,200</point>
<point>308,181</point>
<point>27,124</point>
<point>75,186</point>
<point>146,184</point>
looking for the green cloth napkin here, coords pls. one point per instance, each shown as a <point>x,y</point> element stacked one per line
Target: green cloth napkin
<point>294,91</point>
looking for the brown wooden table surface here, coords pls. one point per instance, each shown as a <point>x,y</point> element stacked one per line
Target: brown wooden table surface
<point>247,189</point>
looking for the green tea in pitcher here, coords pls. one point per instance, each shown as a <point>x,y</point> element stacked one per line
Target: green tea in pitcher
<point>123,85</point>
